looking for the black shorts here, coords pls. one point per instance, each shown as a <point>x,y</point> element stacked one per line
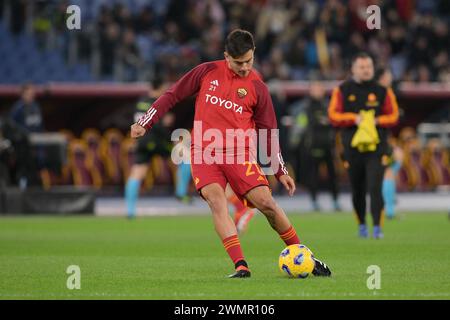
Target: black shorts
<point>147,148</point>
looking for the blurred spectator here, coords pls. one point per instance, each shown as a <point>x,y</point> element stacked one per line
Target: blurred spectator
<point>17,165</point>
<point>317,145</point>
<point>26,115</point>
<point>109,41</point>
<point>26,112</point>
<point>19,17</point>
<point>129,56</point>
<point>384,77</point>
<point>142,37</point>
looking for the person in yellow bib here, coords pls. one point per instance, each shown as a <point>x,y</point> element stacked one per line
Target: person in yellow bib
<point>366,136</point>
<point>363,111</point>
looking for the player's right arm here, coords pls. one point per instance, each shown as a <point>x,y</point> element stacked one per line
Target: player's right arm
<point>187,86</point>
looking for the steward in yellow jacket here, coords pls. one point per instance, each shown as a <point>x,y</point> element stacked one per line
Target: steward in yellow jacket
<point>363,111</point>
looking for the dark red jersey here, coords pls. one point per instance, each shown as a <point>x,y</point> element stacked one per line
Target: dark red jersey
<point>224,101</point>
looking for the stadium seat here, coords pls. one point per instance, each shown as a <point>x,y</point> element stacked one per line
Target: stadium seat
<point>31,64</point>
<point>81,165</point>
<point>442,158</point>
<point>80,73</point>
<point>92,138</point>
<point>110,146</point>
<point>418,177</point>
<point>50,178</point>
<point>434,161</point>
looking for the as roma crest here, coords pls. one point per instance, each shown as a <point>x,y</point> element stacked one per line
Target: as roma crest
<point>241,92</point>
<point>372,97</point>
<point>372,100</point>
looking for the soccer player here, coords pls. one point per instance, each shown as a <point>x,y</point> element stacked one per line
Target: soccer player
<point>384,78</point>
<point>155,144</point>
<point>230,95</point>
<point>389,185</point>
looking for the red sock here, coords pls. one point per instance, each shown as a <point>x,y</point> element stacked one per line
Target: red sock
<point>238,205</point>
<point>290,236</point>
<point>233,247</point>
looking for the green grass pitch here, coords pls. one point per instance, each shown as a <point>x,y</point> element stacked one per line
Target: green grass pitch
<point>182,258</point>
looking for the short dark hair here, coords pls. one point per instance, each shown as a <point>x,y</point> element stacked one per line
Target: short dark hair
<point>238,42</point>
<point>360,55</point>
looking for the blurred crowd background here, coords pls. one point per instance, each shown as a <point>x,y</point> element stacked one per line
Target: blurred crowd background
<point>134,41</point>
<point>131,40</point>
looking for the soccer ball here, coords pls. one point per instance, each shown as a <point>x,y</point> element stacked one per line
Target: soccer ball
<point>296,261</point>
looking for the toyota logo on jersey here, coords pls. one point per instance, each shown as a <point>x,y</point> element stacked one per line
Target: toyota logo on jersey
<point>227,104</point>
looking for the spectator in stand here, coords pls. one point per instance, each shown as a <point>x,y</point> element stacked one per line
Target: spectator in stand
<point>129,56</point>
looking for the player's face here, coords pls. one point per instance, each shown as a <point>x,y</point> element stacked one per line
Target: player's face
<point>362,69</point>
<point>241,65</point>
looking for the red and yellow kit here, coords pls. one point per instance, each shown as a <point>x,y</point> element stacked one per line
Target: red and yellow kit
<point>225,101</point>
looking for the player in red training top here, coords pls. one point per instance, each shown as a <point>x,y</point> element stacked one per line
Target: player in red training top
<point>231,97</point>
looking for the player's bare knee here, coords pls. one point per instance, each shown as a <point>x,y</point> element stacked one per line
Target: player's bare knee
<point>216,202</point>
<point>266,205</point>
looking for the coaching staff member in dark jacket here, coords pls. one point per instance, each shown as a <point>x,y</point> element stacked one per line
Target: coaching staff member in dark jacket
<point>348,102</point>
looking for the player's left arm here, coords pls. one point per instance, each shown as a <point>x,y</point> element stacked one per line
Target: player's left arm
<point>264,117</point>
<point>389,111</point>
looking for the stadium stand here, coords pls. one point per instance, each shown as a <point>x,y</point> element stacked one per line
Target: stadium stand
<point>29,64</point>
<point>130,40</point>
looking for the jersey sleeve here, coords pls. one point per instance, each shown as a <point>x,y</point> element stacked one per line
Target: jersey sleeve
<point>264,117</point>
<point>389,117</point>
<point>187,86</point>
<point>336,114</point>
